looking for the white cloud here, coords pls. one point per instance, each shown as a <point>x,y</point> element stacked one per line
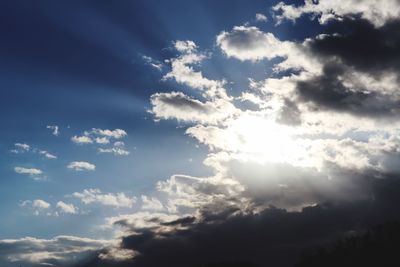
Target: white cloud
<point>30,171</point>
<point>66,208</point>
<point>37,206</point>
<point>102,140</point>
<point>25,147</point>
<point>81,139</point>
<point>117,133</point>
<point>179,106</point>
<point>114,150</point>
<point>249,43</point>
<point>261,17</point>
<point>40,204</point>
<point>182,71</point>
<point>154,63</point>
<point>376,11</point>
<point>185,46</point>
<point>60,251</point>
<point>20,148</point>
<point>81,166</point>
<point>151,203</point>
<point>47,154</point>
<point>118,149</point>
<point>54,128</point>
<point>119,200</point>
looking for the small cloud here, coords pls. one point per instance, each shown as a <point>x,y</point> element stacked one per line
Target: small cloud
<point>185,46</point>
<point>66,208</point>
<point>54,128</point>
<point>20,148</point>
<point>102,140</point>
<point>117,133</point>
<point>47,154</point>
<point>114,150</point>
<point>37,206</point>
<point>119,200</point>
<point>40,204</point>
<point>118,149</point>
<point>152,62</point>
<point>81,166</point>
<point>81,139</point>
<point>30,171</point>
<point>261,17</point>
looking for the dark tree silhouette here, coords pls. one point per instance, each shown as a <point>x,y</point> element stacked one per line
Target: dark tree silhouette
<point>378,246</point>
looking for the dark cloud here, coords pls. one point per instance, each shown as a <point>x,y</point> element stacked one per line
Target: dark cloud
<point>362,46</point>
<point>354,46</point>
<point>328,91</point>
<point>273,237</point>
<point>290,114</point>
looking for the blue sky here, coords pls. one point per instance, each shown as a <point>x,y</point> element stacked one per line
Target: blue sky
<point>133,118</point>
<point>80,66</point>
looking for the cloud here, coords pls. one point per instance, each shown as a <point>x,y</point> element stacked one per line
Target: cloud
<point>375,11</point>
<point>30,171</point>
<point>261,17</point>
<point>37,206</point>
<point>102,140</point>
<point>179,106</point>
<point>81,166</point>
<point>151,203</point>
<point>102,137</point>
<point>20,148</point>
<point>182,71</point>
<point>272,235</point>
<point>118,200</point>
<point>249,43</point>
<point>47,154</point>
<point>118,149</point>
<point>114,150</point>
<point>55,129</point>
<point>153,63</point>
<point>66,208</point>
<point>81,139</point>
<point>117,133</point>
<point>58,251</point>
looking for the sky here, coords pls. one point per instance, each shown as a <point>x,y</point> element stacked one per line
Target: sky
<point>194,132</point>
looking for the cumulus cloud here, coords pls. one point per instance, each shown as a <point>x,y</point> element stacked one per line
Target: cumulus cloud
<point>66,208</point>
<point>118,200</point>
<point>81,166</point>
<point>151,203</point>
<point>54,129</point>
<point>249,43</point>
<point>81,139</point>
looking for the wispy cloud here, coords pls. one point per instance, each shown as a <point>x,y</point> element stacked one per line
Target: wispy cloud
<point>54,129</point>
